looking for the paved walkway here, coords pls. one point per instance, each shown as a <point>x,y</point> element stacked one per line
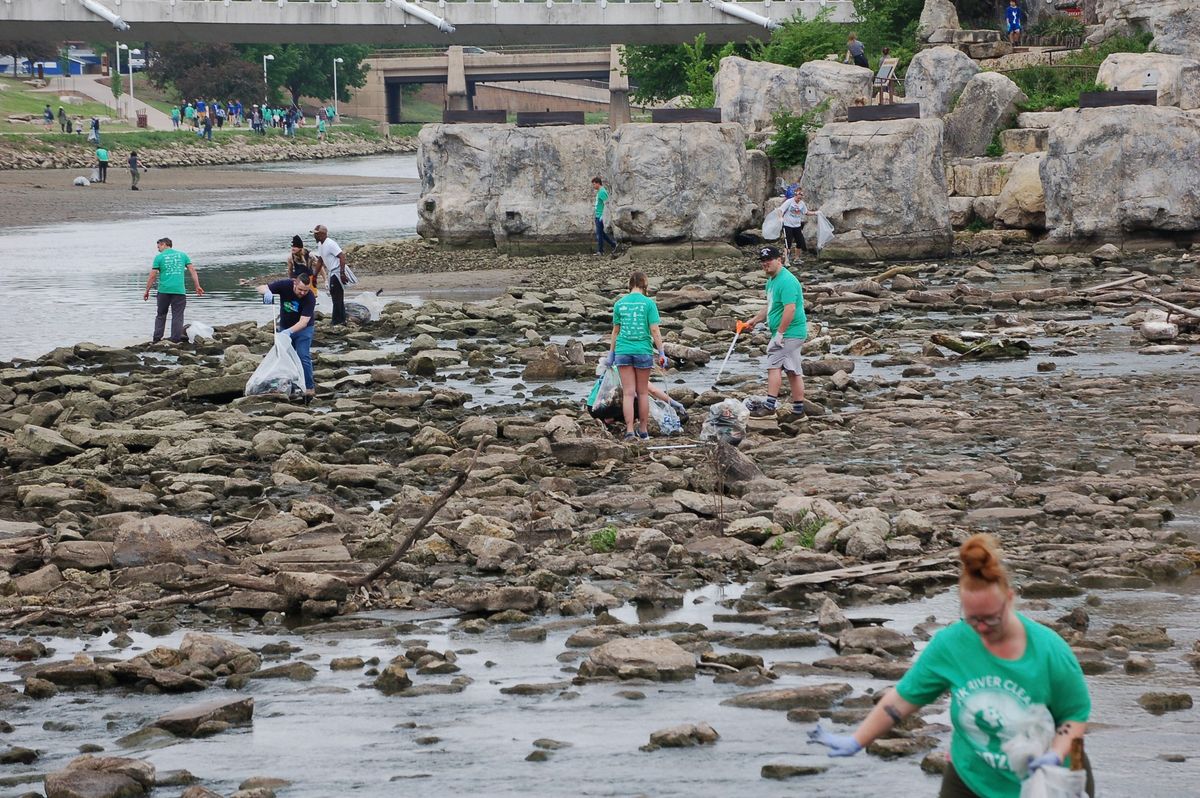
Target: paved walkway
<point>90,86</point>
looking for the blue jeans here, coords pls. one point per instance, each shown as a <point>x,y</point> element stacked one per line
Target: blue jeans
<point>302,343</point>
<point>602,236</point>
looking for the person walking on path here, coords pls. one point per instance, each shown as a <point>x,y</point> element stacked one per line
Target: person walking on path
<point>321,128</point>
<point>635,340</point>
<point>1011,680</point>
<point>208,126</point>
<point>601,201</point>
<point>855,52</point>
<point>298,318</point>
<point>795,211</point>
<point>134,174</point>
<point>48,117</point>
<point>169,266</point>
<point>62,119</point>
<point>102,164</point>
<point>95,134</point>
<point>190,114</point>
<point>175,118</point>
<point>788,324</point>
<point>301,260</point>
<point>1013,17</point>
<point>333,261</point>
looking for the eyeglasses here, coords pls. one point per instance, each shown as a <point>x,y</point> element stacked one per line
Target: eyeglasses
<point>990,621</point>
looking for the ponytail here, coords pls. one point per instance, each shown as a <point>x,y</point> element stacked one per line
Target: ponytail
<point>981,566</point>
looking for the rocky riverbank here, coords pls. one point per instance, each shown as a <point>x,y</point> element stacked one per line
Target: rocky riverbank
<point>1042,399</point>
<point>17,153</point>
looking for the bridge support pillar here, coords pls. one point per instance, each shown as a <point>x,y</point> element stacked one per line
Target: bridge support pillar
<point>457,98</point>
<point>618,89</point>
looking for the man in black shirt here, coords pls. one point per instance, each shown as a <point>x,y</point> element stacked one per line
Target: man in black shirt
<point>297,317</point>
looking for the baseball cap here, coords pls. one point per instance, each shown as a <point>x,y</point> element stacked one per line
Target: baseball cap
<point>768,253</point>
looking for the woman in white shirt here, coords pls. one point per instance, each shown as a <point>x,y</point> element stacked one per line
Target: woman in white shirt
<point>794,211</point>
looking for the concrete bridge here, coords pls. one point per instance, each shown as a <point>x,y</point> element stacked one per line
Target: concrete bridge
<point>490,22</point>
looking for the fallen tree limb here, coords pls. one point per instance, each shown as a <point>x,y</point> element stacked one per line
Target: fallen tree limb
<point>1115,283</point>
<point>892,272</point>
<point>33,614</point>
<point>417,531</point>
<point>1180,309</point>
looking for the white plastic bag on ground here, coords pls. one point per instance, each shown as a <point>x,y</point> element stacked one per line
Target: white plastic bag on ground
<point>95,178</point>
<point>772,226</point>
<point>280,372</point>
<point>664,417</point>
<point>606,392</point>
<point>726,422</point>
<point>1055,782</point>
<point>370,301</point>
<point>198,329</point>
<point>824,231</point>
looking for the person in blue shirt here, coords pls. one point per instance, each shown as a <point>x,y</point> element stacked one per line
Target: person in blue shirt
<point>297,317</point>
<point>1013,15</point>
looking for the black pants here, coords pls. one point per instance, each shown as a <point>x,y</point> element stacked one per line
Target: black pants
<point>953,786</point>
<point>175,303</point>
<point>794,236</point>
<point>338,294</point>
<point>103,171</point>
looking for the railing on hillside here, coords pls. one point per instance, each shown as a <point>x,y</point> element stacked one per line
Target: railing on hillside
<point>1052,40</point>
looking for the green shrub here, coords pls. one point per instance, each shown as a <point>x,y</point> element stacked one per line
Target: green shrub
<point>604,541</point>
<point>1059,26</point>
<point>790,145</point>
<point>995,149</point>
<point>799,41</point>
<point>1052,88</point>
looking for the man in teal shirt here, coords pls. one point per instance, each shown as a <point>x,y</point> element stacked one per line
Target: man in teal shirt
<point>169,266</point>
<point>785,317</point>
<point>102,164</point>
<point>601,200</point>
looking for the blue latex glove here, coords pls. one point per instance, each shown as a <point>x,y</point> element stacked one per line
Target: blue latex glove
<point>268,298</point>
<point>609,358</point>
<point>662,358</point>
<point>838,744</point>
<point>1048,758</point>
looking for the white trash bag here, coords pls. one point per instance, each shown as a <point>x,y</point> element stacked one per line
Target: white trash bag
<point>95,178</point>
<point>772,226</point>
<point>82,181</point>
<point>824,231</point>
<point>198,329</point>
<point>664,417</point>
<point>726,422</point>
<point>606,392</point>
<point>280,371</point>
<point>1055,782</point>
<point>364,307</point>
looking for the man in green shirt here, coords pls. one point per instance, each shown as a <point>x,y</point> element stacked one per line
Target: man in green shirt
<point>102,163</point>
<point>169,266</point>
<point>601,200</point>
<point>785,317</point>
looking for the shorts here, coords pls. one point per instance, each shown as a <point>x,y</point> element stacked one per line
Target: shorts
<point>785,356</point>
<point>795,237</point>
<point>637,361</point>
<point>1014,28</point>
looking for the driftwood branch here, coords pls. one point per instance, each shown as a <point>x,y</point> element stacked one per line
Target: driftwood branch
<point>33,614</point>
<point>1115,283</point>
<point>1180,309</point>
<point>892,272</point>
<point>417,531</point>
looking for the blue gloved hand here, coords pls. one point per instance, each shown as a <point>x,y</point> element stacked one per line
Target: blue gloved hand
<point>1048,758</point>
<point>838,744</point>
<point>268,298</point>
<point>609,359</point>
<point>662,358</point>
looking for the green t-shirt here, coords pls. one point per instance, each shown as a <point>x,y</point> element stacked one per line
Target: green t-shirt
<point>992,699</point>
<point>101,154</point>
<point>634,313</point>
<point>170,265</point>
<point>784,289</point>
<point>601,198</point>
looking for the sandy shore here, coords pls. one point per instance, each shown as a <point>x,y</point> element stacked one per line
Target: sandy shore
<point>44,197</point>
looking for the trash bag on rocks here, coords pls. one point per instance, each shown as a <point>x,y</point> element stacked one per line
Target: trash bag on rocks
<point>368,301</point>
<point>198,329</point>
<point>606,393</point>
<point>726,422</point>
<point>280,372</point>
<point>357,314</point>
<point>772,226</point>
<point>664,417</point>
<point>824,231</point>
<point>82,181</point>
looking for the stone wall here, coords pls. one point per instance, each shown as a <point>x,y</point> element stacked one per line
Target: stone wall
<point>1174,23</point>
<point>752,92</point>
<point>1111,174</point>
<point>883,187</point>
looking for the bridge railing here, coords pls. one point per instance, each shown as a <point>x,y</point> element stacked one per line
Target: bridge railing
<point>507,49</point>
<point>765,3</point>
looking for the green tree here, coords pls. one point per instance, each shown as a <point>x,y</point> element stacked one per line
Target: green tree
<point>114,81</point>
<point>306,70</point>
<point>659,72</point>
<point>208,71</point>
<point>27,49</point>
<point>799,41</point>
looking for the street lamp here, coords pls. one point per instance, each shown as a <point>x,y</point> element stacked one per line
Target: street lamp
<point>336,61</point>
<point>129,61</point>
<point>120,47</point>
<point>266,58</point>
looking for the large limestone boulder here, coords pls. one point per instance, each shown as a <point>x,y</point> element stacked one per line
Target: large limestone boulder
<point>673,182</point>
<point>499,185</point>
<point>166,539</point>
<point>987,105</point>
<point>1174,23</point>
<point>654,658</point>
<point>937,15</point>
<point>1022,202</point>
<point>937,76</point>
<point>1114,172</point>
<point>752,92</point>
<point>1176,78</point>
<point>883,187</point>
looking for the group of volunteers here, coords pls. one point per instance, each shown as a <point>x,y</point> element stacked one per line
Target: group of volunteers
<point>297,293</point>
<point>203,116</point>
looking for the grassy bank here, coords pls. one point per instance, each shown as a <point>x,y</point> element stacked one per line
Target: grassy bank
<point>17,98</point>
